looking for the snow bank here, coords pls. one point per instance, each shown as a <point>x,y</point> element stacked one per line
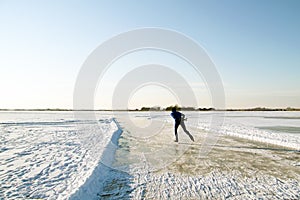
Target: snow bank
<point>50,155</point>
<point>96,180</point>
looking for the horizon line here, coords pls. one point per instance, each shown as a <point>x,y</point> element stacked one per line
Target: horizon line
<point>160,109</point>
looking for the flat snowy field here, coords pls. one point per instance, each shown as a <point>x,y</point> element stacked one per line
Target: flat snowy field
<point>53,155</point>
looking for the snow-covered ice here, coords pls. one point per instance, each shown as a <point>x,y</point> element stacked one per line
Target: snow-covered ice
<point>52,155</point>
<point>42,154</point>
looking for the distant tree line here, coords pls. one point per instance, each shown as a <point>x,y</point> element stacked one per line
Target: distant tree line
<point>265,109</point>
<point>169,108</point>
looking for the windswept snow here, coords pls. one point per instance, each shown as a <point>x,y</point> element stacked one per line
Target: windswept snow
<point>52,155</point>
<point>42,155</point>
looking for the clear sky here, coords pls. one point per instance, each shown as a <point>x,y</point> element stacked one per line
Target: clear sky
<point>255,45</point>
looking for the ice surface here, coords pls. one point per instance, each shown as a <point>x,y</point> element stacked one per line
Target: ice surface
<point>158,168</point>
<point>52,155</point>
<point>268,127</point>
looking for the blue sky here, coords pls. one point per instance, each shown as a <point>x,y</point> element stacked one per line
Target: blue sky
<point>254,44</point>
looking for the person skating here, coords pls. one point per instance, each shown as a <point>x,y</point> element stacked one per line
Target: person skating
<point>179,120</point>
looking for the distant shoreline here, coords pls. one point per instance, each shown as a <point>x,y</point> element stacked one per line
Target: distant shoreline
<point>145,109</point>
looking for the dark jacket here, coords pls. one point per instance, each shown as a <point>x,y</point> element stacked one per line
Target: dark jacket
<point>177,116</point>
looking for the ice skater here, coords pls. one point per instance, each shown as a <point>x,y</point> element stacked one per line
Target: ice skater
<point>179,120</point>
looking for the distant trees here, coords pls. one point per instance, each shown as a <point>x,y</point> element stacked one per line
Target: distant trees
<point>154,108</point>
<point>145,109</point>
<point>169,108</point>
<point>189,108</point>
<point>206,109</point>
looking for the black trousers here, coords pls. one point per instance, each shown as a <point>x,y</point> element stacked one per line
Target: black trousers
<point>177,123</point>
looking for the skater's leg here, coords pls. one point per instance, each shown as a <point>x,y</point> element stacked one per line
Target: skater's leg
<point>177,123</point>
<point>186,131</point>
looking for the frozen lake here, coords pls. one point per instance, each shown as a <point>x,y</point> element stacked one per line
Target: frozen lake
<point>53,155</point>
